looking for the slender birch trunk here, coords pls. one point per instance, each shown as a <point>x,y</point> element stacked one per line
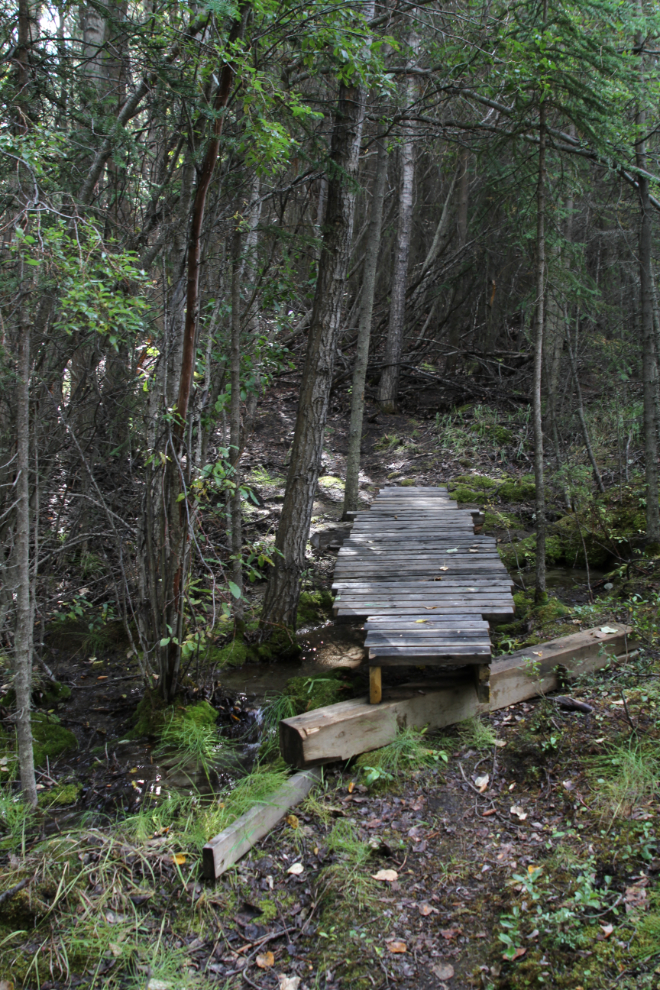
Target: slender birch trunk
<point>583,422</point>
<point>364,330</point>
<point>540,591</point>
<point>24,612</point>
<point>283,591</point>
<point>389,382</point>
<point>235,436</point>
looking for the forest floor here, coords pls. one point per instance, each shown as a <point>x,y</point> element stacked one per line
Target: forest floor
<point>520,849</point>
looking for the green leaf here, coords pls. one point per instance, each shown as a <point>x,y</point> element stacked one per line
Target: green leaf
<point>235,590</point>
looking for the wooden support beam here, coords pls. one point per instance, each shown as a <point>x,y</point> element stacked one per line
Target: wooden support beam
<point>375,686</point>
<point>341,731</point>
<point>237,839</point>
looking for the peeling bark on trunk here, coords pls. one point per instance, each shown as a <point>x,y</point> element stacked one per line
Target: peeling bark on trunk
<point>364,331</point>
<point>283,591</point>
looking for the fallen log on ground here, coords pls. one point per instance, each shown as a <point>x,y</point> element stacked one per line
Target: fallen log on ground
<point>238,838</point>
<point>349,728</point>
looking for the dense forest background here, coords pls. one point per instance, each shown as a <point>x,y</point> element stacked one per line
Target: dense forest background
<point>425,208</point>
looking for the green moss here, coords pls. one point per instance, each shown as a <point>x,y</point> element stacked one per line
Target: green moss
<point>50,738</point>
<point>496,434</point>
<point>523,601</point>
<point>149,716</point>
<point>552,609</point>
<point>56,693</point>
<point>518,491</point>
<point>308,693</point>
<point>478,481</point>
<point>314,607</point>
<point>201,713</point>
<point>407,482</point>
<point>463,494</point>
<point>328,481</point>
<point>268,910</point>
<point>232,654</point>
<point>280,645</point>
<point>61,794</point>
<point>500,520</point>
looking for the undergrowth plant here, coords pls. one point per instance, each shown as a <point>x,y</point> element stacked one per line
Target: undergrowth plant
<point>626,777</point>
<point>410,750</point>
<point>349,878</point>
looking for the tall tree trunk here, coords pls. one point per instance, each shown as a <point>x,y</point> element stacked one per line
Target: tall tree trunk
<point>235,436</point>
<point>463,197</point>
<point>24,612</point>
<point>388,391</point>
<point>283,591</point>
<point>649,357</point>
<point>538,364</point>
<point>177,523</point>
<point>583,422</point>
<point>364,330</point>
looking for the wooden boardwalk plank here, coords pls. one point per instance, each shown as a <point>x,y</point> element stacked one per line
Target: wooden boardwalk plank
<point>414,567</point>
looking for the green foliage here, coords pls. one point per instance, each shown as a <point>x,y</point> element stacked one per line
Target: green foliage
<point>626,777</point>
<point>349,877</point>
<point>15,819</point>
<point>314,608</point>
<point>409,751</point>
<point>476,734</point>
<point>262,478</point>
<point>328,481</point>
<point>308,693</point>
<point>50,738</point>
<point>518,491</point>
<point>61,794</point>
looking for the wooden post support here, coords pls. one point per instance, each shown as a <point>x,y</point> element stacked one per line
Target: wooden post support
<point>375,685</point>
<point>232,843</point>
<point>482,682</point>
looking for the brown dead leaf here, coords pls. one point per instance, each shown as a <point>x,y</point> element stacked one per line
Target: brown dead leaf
<point>450,933</point>
<point>351,787</point>
<point>296,869</point>
<point>518,954</point>
<point>425,909</point>
<point>396,945</point>
<point>265,960</point>
<point>518,812</point>
<point>292,820</point>
<point>607,930</point>
<point>179,859</point>
<point>443,971</point>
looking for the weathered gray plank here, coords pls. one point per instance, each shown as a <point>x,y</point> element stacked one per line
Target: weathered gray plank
<point>233,842</point>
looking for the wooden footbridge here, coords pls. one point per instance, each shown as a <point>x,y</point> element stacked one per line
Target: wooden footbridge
<point>426,583</point>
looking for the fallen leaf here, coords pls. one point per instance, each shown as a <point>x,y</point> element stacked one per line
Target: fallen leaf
<point>607,930</point>
<point>265,960</point>
<point>351,787</point>
<point>374,823</point>
<point>396,945</point>
<point>568,785</point>
<point>537,654</point>
<point>517,954</point>
<point>481,783</point>
<point>518,812</point>
<point>292,820</point>
<point>608,629</point>
<point>635,899</point>
<point>158,985</point>
<point>500,743</point>
<point>115,919</point>
<point>6,985</point>
<point>179,858</point>
<point>421,620</point>
<point>443,568</point>
<point>115,949</point>
<point>425,909</point>
<point>388,875</point>
<point>444,971</point>
<point>296,869</point>
<point>289,982</point>
<point>454,550</point>
<point>450,933</point>
<point>489,812</point>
